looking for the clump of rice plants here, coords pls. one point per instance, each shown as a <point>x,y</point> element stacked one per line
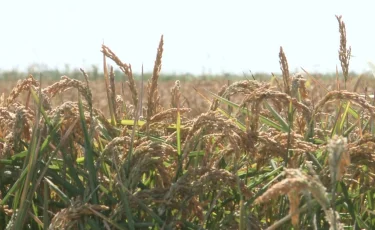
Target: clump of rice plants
<point>263,155</point>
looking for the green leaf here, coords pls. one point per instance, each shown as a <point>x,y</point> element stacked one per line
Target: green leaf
<point>89,155</point>
<point>262,119</point>
<point>19,155</point>
<point>343,117</point>
<point>278,117</point>
<point>60,193</point>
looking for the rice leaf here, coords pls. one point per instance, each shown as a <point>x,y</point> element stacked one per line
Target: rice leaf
<point>344,116</point>
<point>60,193</point>
<point>89,156</point>
<point>277,116</point>
<point>263,119</point>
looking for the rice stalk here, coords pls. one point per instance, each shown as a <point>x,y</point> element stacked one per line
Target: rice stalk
<point>344,52</point>
<point>88,153</point>
<point>126,69</point>
<point>285,70</point>
<point>21,86</point>
<point>110,98</point>
<point>153,96</point>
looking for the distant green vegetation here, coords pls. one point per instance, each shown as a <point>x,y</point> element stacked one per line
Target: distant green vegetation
<point>95,74</point>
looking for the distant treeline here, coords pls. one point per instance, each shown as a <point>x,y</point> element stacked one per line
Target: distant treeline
<point>95,74</point>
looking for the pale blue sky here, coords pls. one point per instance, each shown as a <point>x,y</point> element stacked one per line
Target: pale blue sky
<point>200,36</point>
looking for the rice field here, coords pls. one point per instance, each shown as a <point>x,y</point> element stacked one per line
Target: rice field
<point>294,151</point>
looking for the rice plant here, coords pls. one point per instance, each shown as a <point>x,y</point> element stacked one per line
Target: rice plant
<point>288,153</point>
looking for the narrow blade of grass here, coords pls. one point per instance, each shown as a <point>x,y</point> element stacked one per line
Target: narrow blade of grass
<point>277,116</point>
<point>344,116</point>
<point>89,156</point>
<point>46,200</point>
<point>14,187</point>
<point>31,164</point>
<point>40,107</point>
<point>263,119</point>
<point>60,193</point>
